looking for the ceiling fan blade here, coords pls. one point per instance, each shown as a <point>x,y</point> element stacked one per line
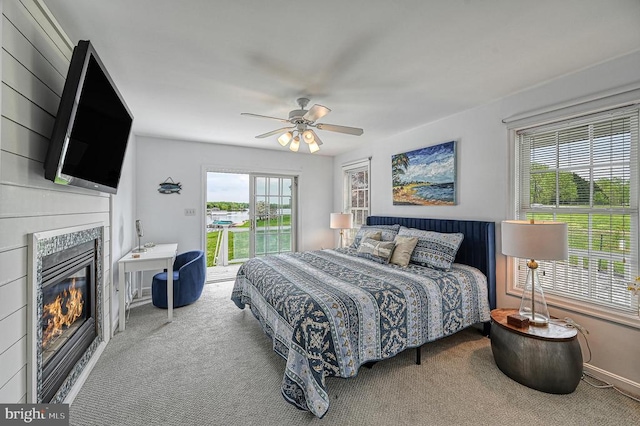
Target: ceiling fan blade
<point>341,129</point>
<point>284,120</point>
<point>316,112</point>
<point>274,132</point>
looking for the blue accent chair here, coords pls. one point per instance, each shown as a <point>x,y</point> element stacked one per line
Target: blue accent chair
<point>189,275</point>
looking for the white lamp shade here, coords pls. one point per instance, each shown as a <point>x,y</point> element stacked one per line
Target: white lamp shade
<point>285,138</point>
<point>295,144</point>
<point>341,221</point>
<point>541,240</point>
<point>307,135</point>
<point>313,147</point>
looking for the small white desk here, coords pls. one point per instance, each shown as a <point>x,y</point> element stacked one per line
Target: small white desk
<point>161,256</point>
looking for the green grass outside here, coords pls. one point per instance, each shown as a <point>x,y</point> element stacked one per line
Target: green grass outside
<point>607,233</point>
<point>286,221</point>
<point>212,244</point>
<point>239,242</point>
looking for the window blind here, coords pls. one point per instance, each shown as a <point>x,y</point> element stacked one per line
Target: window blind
<point>357,194</point>
<point>584,172</point>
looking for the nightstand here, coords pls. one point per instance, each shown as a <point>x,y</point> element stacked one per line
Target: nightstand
<point>547,358</point>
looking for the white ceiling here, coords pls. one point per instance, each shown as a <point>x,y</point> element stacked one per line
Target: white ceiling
<point>187,69</point>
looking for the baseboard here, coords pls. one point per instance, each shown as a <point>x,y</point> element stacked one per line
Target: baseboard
<point>73,392</point>
<point>625,385</point>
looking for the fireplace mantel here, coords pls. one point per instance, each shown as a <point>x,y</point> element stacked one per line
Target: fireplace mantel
<point>41,245</point>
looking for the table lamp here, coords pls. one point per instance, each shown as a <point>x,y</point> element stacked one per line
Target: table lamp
<point>341,221</point>
<point>541,240</point>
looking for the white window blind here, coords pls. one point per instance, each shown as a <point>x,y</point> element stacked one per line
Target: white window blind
<point>356,194</point>
<point>585,172</point>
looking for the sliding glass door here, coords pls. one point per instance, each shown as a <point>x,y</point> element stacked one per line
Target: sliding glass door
<point>273,214</point>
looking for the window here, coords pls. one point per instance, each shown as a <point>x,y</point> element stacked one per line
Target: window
<point>585,172</point>
<point>356,194</point>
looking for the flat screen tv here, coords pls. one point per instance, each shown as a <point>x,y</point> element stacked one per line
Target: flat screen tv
<point>92,126</point>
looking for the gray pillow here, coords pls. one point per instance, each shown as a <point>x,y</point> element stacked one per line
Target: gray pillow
<point>388,233</point>
<point>378,251</point>
<point>434,249</point>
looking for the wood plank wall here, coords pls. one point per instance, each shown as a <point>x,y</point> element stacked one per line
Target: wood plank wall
<point>35,58</point>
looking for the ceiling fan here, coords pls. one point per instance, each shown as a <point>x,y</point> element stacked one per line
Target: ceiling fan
<point>303,121</point>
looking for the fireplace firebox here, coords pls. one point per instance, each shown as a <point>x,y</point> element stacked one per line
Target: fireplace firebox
<point>68,312</point>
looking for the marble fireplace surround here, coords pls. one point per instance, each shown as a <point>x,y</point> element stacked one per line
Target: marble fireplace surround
<point>42,244</point>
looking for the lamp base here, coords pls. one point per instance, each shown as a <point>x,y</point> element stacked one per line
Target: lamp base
<point>535,320</point>
<point>533,305</point>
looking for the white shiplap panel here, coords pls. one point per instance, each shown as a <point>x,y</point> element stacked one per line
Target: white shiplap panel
<point>19,109</point>
<point>19,47</point>
<point>15,231</point>
<point>23,201</point>
<point>16,76</point>
<point>17,170</point>
<point>106,328</point>
<point>35,60</point>
<point>50,26</point>
<point>15,390</point>
<point>32,30</point>
<point>21,171</point>
<point>12,329</point>
<point>13,360</point>
<point>13,264</point>
<point>13,296</point>
<point>21,141</point>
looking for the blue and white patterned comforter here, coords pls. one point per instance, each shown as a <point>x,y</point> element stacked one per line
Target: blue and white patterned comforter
<point>329,311</point>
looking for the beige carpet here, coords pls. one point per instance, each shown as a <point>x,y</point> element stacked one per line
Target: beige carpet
<point>214,366</point>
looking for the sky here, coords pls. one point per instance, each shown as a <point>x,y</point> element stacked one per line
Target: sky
<point>228,187</point>
<point>435,164</point>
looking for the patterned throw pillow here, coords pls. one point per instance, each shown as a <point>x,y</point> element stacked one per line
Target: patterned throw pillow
<point>434,249</point>
<point>403,250</point>
<point>388,233</point>
<point>378,251</point>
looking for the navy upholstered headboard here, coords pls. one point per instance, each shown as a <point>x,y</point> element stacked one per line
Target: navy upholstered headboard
<point>478,248</point>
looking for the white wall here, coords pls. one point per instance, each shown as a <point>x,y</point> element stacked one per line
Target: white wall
<point>122,221</point>
<point>35,59</point>
<point>163,215</point>
<point>483,190</point>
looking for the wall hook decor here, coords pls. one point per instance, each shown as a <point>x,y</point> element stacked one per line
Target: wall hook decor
<point>169,186</point>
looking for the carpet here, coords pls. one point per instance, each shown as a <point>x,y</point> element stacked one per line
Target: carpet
<point>213,365</point>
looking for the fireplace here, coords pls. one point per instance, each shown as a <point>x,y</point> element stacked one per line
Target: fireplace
<point>65,319</point>
<point>68,312</point>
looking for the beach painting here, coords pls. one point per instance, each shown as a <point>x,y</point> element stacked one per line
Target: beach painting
<point>426,176</point>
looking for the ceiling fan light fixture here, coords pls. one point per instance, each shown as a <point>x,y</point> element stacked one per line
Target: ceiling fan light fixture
<point>302,121</point>
<point>313,147</point>
<point>316,138</point>
<point>295,144</point>
<point>308,136</point>
<point>285,138</point>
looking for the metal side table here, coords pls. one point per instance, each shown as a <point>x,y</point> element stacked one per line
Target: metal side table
<point>548,358</point>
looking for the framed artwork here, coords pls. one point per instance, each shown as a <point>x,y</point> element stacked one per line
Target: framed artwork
<point>426,176</point>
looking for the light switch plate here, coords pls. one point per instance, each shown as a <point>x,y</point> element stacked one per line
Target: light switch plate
<point>189,212</point>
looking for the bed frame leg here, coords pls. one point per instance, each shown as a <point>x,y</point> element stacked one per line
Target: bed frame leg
<point>486,329</point>
<point>418,355</point>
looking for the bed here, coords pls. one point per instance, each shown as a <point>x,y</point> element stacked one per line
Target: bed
<point>329,312</point>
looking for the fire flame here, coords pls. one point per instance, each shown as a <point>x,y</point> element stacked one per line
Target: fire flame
<point>62,312</point>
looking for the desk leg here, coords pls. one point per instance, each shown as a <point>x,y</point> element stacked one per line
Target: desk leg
<point>122,289</point>
<point>170,290</point>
